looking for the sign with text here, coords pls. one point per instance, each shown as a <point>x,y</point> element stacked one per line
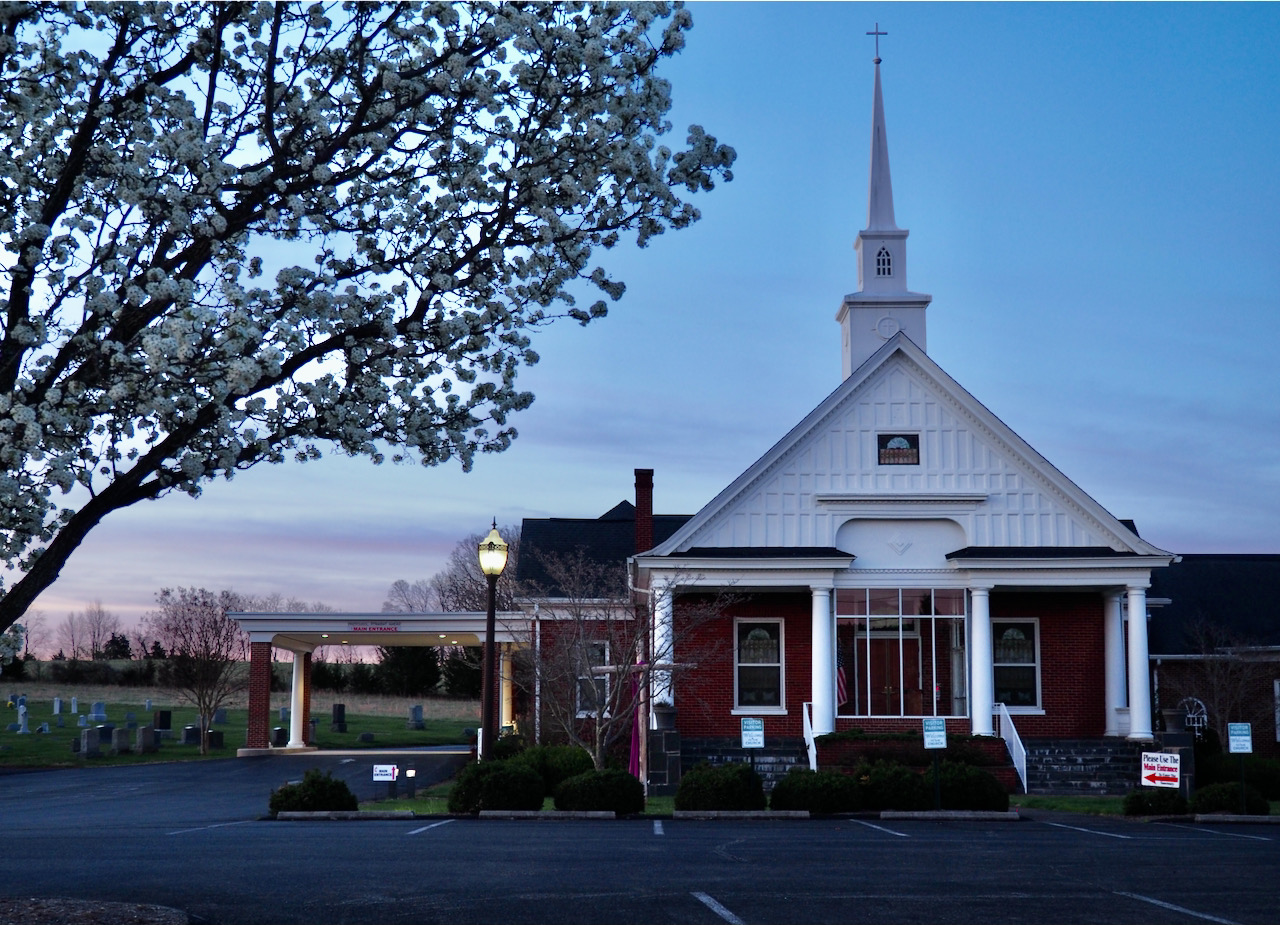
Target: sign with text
<point>1240,738</point>
<point>1161,769</point>
<point>935,733</point>
<point>375,626</point>
<point>385,772</point>
<point>752,732</point>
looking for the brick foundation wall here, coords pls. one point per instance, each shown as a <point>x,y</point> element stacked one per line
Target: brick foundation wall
<point>259,695</point>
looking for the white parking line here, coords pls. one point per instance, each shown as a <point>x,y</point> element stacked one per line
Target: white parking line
<point>657,827</point>
<point>718,909</point>
<point>1076,828</point>
<point>201,828</point>
<point>1197,828</point>
<point>432,826</point>
<point>880,828</point>
<point>1182,909</point>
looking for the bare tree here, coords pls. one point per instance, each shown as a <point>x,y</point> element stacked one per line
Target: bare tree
<point>206,648</point>
<point>1229,676</point>
<point>460,587</point>
<point>99,625</point>
<point>73,637</point>
<point>403,597</point>
<point>592,656</point>
<point>38,634</point>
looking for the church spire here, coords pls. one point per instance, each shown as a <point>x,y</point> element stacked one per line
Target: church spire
<point>883,305</point>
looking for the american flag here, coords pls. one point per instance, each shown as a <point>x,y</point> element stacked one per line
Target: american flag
<point>842,689</point>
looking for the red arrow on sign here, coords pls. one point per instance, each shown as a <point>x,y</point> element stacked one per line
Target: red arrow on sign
<point>1162,778</point>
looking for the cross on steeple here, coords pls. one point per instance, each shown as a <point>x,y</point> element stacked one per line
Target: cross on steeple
<point>877,33</point>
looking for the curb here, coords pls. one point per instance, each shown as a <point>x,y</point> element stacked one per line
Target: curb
<point>740,814</point>
<point>343,814</point>
<point>537,814</point>
<point>952,815</point>
<point>1248,820</point>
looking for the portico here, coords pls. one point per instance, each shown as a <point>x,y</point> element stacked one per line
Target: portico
<point>303,633</point>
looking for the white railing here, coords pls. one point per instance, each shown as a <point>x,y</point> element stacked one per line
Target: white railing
<point>810,745</point>
<point>1006,731</point>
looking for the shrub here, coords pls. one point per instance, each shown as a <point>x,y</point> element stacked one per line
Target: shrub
<point>1218,798</point>
<point>557,763</point>
<point>1148,801</point>
<point>967,787</point>
<point>1260,773</point>
<point>817,792</point>
<point>506,784</point>
<point>607,790</point>
<point>734,786</point>
<point>316,792</point>
<point>891,786</point>
<point>507,746</point>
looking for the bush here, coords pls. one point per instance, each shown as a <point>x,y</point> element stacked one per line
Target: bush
<point>891,786</point>
<point>1260,773</point>
<point>316,792</point>
<point>967,787</point>
<point>817,792</point>
<point>1218,798</point>
<point>608,790</point>
<point>507,746</point>
<point>508,784</point>
<point>734,786</point>
<point>1148,801</point>
<point>557,763</point>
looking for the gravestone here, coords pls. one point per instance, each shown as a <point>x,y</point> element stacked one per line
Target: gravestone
<point>57,706</point>
<point>146,741</point>
<point>163,720</point>
<point>75,746</point>
<point>366,737</point>
<point>89,743</point>
<point>315,724</point>
<point>147,708</point>
<point>415,718</point>
<point>82,720</point>
<point>13,727</point>
<point>22,701</point>
<point>104,732</point>
<point>120,741</point>
<point>60,723</point>
<point>131,721</point>
<point>216,738</point>
<point>75,704</point>
<point>98,712</point>
<point>284,714</point>
<point>220,716</point>
<point>43,727</point>
<point>190,735</point>
<point>279,737</point>
<point>339,723</point>
<point>22,729</point>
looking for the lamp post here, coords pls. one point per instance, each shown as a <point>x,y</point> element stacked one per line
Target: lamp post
<point>493,559</point>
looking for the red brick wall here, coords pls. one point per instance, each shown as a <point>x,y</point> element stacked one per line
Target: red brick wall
<point>1072,666</point>
<point>259,695</point>
<point>704,694</point>
<point>1245,691</point>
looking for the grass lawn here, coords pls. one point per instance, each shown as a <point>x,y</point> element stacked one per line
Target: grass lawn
<point>384,717</point>
<point>1091,806</point>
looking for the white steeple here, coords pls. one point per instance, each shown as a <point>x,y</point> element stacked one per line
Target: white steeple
<point>883,305</point>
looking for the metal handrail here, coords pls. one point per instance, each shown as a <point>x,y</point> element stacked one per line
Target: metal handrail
<point>1006,731</point>
<point>810,745</point>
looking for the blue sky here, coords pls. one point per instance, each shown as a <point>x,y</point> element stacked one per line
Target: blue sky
<point>1093,195</point>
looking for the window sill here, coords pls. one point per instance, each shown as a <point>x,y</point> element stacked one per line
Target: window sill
<point>762,711</point>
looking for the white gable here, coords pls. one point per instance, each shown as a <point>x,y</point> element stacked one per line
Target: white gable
<point>977,483</point>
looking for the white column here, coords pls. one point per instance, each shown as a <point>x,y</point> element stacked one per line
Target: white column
<point>1113,657</point>
<point>1139,668</point>
<point>507,713</point>
<point>663,648</point>
<point>823,675</point>
<point>981,682</point>
<point>296,737</point>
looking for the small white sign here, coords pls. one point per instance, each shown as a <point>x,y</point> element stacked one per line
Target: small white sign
<point>385,772</point>
<point>752,732</point>
<point>1239,738</point>
<point>935,733</point>
<point>1161,769</point>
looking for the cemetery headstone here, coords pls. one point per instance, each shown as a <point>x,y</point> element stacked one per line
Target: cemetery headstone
<point>131,721</point>
<point>57,706</point>
<point>147,708</point>
<point>284,714</point>
<point>22,701</point>
<point>22,721</point>
<point>366,737</point>
<point>146,741</point>
<point>279,737</point>
<point>75,704</point>
<point>82,720</point>
<point>43,727</point>
<point>89,743</point>
<point>216,739</point>
<point>60,724</point>
<point>104,732</point>
<point>98,712</point>
<point>415,718</point>
<point>75,746</point>
<point>339,723</point>
<point>120,741</point>
<point>190,735</point>
<point>13,727</point>
<point>163,719</point>
<point>315,724</point>
<point>220,716</point>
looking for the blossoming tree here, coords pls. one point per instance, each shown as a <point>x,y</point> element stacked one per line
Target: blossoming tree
<point>235,233</point>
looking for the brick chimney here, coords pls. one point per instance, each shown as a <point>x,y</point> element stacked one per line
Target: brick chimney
<point>644,510</point>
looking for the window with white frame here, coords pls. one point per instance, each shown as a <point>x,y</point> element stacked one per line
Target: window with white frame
<point>758,665</point>
<point>1015,662</point>
<point>593,686</point>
